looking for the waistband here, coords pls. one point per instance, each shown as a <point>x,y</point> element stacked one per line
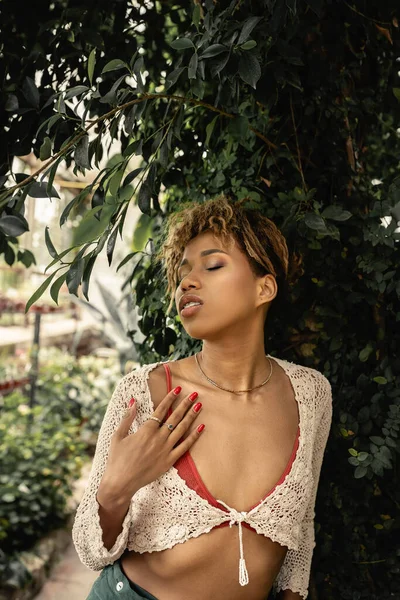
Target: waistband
<point>123,586</point>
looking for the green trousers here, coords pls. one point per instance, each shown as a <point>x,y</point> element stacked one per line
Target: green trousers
<point>113,584</point>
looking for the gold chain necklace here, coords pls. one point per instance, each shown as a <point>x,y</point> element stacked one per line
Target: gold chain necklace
<point>233,391</point>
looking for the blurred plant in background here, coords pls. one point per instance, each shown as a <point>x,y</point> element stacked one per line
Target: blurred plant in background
<point>42,450</point>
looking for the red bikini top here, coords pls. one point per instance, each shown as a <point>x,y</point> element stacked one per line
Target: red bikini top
<point>187,469</point>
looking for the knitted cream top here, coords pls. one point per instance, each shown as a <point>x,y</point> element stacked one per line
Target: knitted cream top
<point>167,511</point>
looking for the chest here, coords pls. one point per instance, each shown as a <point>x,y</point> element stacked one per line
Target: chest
<point>245,448</point>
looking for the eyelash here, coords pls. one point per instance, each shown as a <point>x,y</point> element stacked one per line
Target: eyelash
<point>210,269</point>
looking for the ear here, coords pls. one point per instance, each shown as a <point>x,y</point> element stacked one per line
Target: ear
<point>267,288</point>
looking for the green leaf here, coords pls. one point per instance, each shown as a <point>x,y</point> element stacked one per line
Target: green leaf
<point>360,472</point>
<point>375,439</point>
<point>182,44</point>
<point>114,65</point>
<point>142,232</point>
<point>67,210</point>
<point>133,148</point>
<point>111,96</point>
<point>74,276</point>
<point>248,45</point>
<point>39,292</point>
<point>173,77</point>
<point>365,353</point>
<point>50,247</point>
<point>39,190</point>
<point>391,442</point>
<point>86,276</point>
<point>56,286</point>
<point>193,66</point>
<point>163,155</point>
<point>362,456</point>
<point>396,92</point>
<point>76,91</point>
<point>91,64</point>
<point>52,174</point>
<point>314,221</point>
<point>196,15</point>
<point>238,127</point>
<point>111,245</point>
<point>55,260</point>
<point>380,380</point>
<point>45,149</point>
<point>219,64</point>
<point>81,154</point>
<point>353,452</point>
<point>144,198</point>
<point>48,123</point>
<point>13,225</point>
<point>31,92</point>
<point>11,104</point>
<point>131,176</point>
<point>26,257</point>
<point>249,69</point>
<point>214,50</point>
<point>336,213</point>
<point>115,181</point>
<point>126,259</point>
<point>247,28</point>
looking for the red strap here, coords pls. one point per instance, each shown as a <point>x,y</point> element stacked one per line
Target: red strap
<point>169,379</point>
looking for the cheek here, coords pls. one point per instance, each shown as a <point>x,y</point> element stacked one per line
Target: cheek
<point>239,288</point>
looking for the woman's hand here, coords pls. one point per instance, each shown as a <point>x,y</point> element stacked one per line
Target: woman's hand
<point>137,459</point>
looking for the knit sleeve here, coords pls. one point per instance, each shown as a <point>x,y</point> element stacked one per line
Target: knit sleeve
<point>294,574</point>
<point>87,534</point>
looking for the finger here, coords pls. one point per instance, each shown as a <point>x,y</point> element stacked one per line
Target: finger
<point>182,425</point>
<point>187,443</point>
<point>166,403</point>
<point>127,419</point>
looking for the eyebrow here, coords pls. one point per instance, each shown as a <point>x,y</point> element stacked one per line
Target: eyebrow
<point>204,253</point>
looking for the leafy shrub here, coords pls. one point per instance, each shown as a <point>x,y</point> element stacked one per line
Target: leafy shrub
<point>42,449</point>
<point>40,460</point>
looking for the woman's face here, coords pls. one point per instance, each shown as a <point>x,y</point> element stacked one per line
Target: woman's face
<point>232,296</point>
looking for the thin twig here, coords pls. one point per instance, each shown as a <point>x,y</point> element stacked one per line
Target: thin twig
<point>297,146</point>
<point>365,16</point>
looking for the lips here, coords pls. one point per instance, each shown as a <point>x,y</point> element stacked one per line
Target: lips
<point>188,298</point>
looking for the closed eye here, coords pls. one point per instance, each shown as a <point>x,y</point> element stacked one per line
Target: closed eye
<point>210,269</point>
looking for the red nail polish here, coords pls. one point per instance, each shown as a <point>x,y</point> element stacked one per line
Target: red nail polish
<point>200,428</point>
<point>197,407</point>
<point>193,396</point>
<point>132,402</point>
<point>177,390</point>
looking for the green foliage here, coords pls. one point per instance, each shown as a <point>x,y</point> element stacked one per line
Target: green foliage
<point>39,463</point>
<point>294,106</point>
<point>42,449</point>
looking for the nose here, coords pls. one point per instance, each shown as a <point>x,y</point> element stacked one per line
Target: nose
<point>189,281</point>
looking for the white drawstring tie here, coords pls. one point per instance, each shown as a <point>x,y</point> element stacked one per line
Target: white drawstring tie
<point>239,517</point>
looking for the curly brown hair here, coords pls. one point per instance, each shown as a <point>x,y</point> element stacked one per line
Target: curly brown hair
<point>258,237</point>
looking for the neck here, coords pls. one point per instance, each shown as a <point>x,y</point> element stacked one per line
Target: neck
<point>239,366</point>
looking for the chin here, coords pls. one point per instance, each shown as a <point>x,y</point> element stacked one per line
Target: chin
<point>204,331</point>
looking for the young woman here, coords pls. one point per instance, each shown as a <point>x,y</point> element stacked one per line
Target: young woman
<point>206,469</point>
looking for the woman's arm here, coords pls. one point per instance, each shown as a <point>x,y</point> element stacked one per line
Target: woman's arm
<point>93,545</point>
<point>295,570</point>
<point>111,514</point>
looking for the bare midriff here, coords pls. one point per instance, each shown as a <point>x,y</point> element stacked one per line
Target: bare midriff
<point>207,567</point>
<point>255,439</point>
